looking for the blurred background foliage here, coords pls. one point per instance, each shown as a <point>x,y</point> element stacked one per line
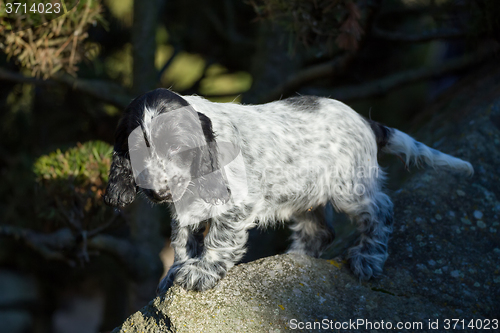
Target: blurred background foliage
<point>64,84</point>
<point>44,45</point>
<point>71,185</point>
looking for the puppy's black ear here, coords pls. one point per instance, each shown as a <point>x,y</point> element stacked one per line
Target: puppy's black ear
<point>206,125</point>
<point>212,182</point>
<point>121,189</point>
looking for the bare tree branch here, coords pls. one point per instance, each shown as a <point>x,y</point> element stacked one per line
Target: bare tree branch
<point>386,84</point>
<point>425,36</point>
<point>6,75</point>
<point>421,9</point>
<point>135,258</point>
<point>54,246</point>
<point>294,82</point>
<point>105,226</point>
<point>105,91</point>
<point>168,63</point>
<point>48,245</point>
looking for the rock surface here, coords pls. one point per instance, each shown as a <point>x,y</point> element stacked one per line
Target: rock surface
<point>444,254</point>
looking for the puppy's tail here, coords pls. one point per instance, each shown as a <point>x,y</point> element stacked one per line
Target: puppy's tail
<point>392,141</point>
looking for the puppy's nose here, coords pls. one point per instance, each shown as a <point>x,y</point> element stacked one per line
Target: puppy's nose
<point>162,194</point>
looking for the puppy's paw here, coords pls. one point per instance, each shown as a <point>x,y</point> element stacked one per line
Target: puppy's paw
<point>168,280</point>
<point>199,275</point>
<point>365,264</point>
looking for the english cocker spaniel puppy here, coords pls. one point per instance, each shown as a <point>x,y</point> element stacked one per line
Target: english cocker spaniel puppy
<point>245,166</point>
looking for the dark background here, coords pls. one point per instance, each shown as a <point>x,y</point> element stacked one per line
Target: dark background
<point>387,59</point>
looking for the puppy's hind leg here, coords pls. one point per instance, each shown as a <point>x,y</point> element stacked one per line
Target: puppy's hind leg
<point>373,216</point>
<point>311,234</point>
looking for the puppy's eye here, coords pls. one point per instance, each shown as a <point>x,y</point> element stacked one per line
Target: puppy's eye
<point>174,149</point>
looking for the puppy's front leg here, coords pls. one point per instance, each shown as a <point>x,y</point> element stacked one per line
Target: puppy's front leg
<point>224,246</point>
<point>187,243</point>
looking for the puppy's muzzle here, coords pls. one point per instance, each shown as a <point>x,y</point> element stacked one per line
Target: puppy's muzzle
<point>162,195</point>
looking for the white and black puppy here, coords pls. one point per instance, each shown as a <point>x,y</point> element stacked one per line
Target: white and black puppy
<point>245,166</point>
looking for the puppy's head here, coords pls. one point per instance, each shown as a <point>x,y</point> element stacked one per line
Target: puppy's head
<point>166,152</point>
<point>161,145</point>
